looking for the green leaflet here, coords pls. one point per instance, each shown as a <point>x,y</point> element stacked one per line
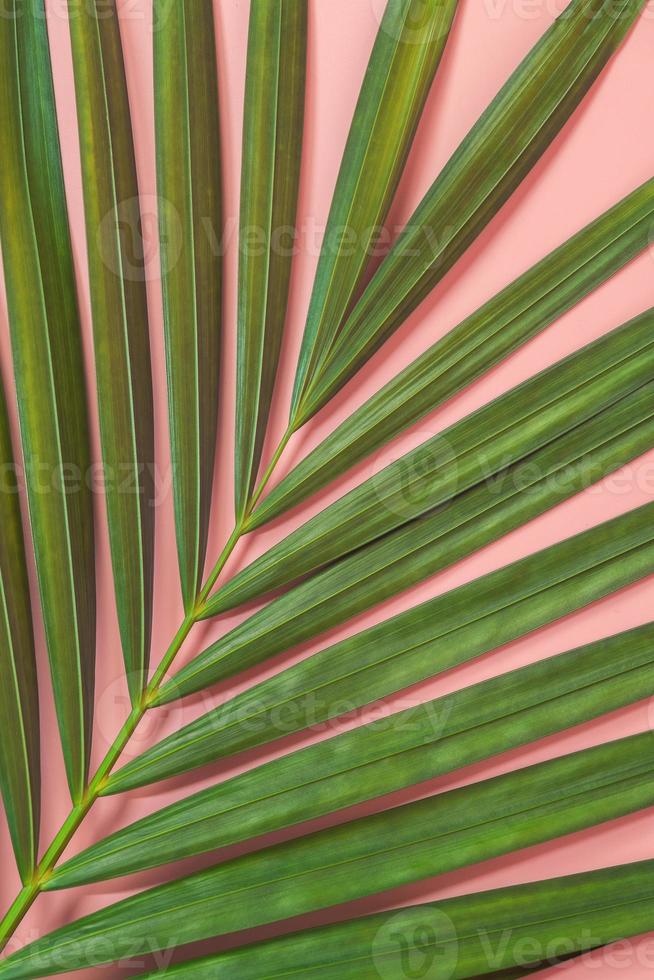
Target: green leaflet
<point>190,209</point>
<point>404,60</point>
<point>439,634</point>
<point>272,151</point>
<point>511,318</point>
<point>49,373</point>
<point>490,163</point>
<point>392,565</point>
<point>20,782</point>
<point>120,320</point>
<point>469,452</point>
<point>379,758</point>
<point>463,938</point>
<point>373,854</point>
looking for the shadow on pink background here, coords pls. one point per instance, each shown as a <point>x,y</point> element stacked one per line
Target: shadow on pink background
<point>606,151</point>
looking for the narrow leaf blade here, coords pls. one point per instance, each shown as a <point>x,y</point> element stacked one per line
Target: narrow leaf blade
<point>189,182</point>
<point>403,63</point>
<point>503,324</point>
<point>120,321</point>
<point>495,156</point>
<point>379,758</point>
<point>20,782</point>
<point>49,374</point>
<point>272,150</point>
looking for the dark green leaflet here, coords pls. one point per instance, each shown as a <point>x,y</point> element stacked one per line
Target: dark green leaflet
<point>497,153</point>
<point>190,210</point>
<point>511,318</point>
<point>437,635</point>
<point>407,52</point>
<point>387,755</point>
<point>272,150</point>
<point>49,373</point>
<point>352,860</point>
<point>20,782</point>
<point>471,451</point>
<point>120,321</point>
<point>464,938</point>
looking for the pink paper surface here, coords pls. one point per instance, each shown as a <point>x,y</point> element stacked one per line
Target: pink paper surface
<point>606,151</point>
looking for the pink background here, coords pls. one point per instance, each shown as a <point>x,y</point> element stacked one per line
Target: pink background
<point>605,152</point>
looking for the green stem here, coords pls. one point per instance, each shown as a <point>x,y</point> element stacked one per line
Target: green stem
<point>256,496</point>
<point>32,889</point>
<point>30,892</point>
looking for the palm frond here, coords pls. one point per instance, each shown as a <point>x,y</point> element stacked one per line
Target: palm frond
<point>522,454</point>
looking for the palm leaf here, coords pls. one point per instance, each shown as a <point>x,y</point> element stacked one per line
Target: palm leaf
<point>512,460</point>
<point>49,375</point>
<point>370,855</point>
<point>407,52</point>
<point>439,634</point>
<point>473,450</point>
<point>508,320</point>
<point>462,937</point>
<point>120,322</point>
<point>190,196</point>
<point>497,153</point>
<point>20,782</point>
<point>272,150</point>
<point>385,756</point>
